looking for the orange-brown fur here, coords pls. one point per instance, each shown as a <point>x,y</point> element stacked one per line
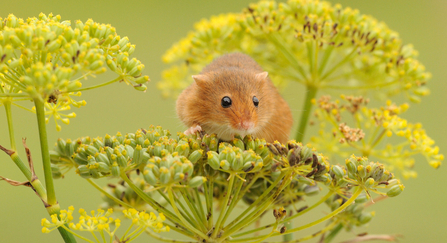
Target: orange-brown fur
<point>234,75</point>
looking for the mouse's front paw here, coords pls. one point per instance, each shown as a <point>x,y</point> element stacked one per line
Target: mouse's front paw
<point>193,130</point>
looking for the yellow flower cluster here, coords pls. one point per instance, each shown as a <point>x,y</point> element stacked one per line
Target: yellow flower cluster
<point>307,41</point>
<point>375,125</point>
<point>46,59</point>
<point>147,220</point>
<point>100,221</point>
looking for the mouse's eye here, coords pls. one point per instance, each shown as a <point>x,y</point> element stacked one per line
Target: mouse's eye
<point>255,101</point>
<point>226,102</point>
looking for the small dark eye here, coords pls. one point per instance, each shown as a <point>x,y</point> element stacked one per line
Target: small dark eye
<point>226,102</point>
<point>255,101</point>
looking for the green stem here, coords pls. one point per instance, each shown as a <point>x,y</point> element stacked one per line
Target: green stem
<point>40,113</point>
<point>311,92</point>
<point>208,191</point>
<point>345,60</point>
<point>288,237</point>
<point>260,209</point>
<point>379,138</point>
<point>118,201</point>
<point>328,216</point>
<point>322,200</point>
<point>333,233</point>
<point>186,224</point>
<point>160,238</point>
<point>224,205</point>
<point>67,229</point>
<point>7,104</point>
<point>51,195</point>
<point>99,85</point>
<point>258,200</point>
<point>14,95</point>
<point>150,200</point>
<point>192,207</point>
<point>233,200</point>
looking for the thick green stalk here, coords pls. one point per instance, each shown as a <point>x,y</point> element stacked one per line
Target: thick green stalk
<point>7,105</point>
<point>40,113</point>
<point>51,195</point>
<point>311,92</point>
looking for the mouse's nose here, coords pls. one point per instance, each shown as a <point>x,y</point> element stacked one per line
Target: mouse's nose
<point>247,125</point>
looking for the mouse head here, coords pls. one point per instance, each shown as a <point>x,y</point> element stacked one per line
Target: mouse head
<point>236,101</point>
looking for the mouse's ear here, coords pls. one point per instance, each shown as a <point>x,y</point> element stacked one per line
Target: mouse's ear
<point>261,76</point>
<point>200,79</point>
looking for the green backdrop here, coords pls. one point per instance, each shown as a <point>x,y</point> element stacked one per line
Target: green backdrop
<point>419,213</point>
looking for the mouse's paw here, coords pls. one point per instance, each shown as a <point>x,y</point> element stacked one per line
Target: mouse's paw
<point>193,130</point>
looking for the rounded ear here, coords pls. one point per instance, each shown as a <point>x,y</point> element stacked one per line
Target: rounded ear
<point>261,76</point>
<point>200,79</point>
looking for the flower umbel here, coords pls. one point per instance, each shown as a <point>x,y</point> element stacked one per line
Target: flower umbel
<point>47,59</point>
<point>262,176</point>
<point>100,222</point>
<point>338,140</point>
<point>311,42</point>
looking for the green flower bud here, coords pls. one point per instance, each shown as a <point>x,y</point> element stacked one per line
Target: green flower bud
<point>361,198</point>
<point>352,168</point>
<point>84,172</point>
<point>55,157</point>
<point>55,171</point>
<point>338,171</point>
<point>275,175</point>
<point>311,190</point>
<point>91,150</point>
<point>231,155</point>
<point>395,190</point>
<point>115,170</point>
<point>102,157</point>
<point>393,182</point>
<point>197,181</point>
<point>195,156</point>
<point>149,177</point>
<point>98,144</point>
<point>140,87</point>
<point>257,166</point>
<point>188,168</point>
<point>250,144</point>
<point>361,171</point>
<point>179,176</point>
<point>237,163</point>
<point>225,165</point>
<point>61,145</point>
<point>137,155</point>
<point>325,178</point>
<point>165,175</point>
<point>238,143</point>
<point>103,167</point>
<point>304,180</point>
<point>369,183</point>
<point>306,153</point>
<point>122,162</point>
<point>183,150</point>
<point>80,160</point>
<point>365,217</point>
<point>142,80</point>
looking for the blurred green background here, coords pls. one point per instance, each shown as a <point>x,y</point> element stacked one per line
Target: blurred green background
<point>419,214</point>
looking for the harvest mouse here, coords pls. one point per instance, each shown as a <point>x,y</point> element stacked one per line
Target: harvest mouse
<point>233,95</point>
